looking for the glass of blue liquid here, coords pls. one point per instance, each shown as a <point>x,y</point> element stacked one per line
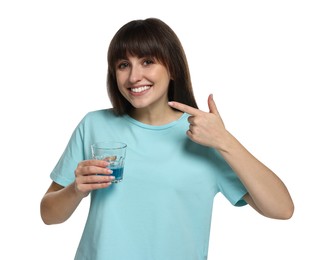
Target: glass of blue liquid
<point>114,153</point>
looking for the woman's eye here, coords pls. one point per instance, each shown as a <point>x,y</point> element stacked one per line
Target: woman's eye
<point>123,65</point>
<point>148,62</point>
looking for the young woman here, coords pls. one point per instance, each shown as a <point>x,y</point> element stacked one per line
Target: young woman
<point>178,159</point>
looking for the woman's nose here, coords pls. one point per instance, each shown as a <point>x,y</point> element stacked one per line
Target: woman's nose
<point>135,74</point>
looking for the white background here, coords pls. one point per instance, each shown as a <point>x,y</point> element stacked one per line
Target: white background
<point>268,64</point>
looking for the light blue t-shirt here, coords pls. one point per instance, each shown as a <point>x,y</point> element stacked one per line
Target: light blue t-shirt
<point>162,209</point>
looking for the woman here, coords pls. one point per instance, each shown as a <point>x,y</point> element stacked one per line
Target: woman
<point>178,159</point>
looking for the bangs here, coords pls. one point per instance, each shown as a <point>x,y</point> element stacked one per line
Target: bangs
<point>139,40</point>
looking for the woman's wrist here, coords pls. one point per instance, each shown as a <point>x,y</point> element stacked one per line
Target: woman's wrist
<point>227,143</point>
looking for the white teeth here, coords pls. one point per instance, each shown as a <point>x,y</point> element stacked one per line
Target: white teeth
<point>140,89</point>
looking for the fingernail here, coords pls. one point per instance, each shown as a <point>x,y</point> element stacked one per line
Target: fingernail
<point>170,103</point>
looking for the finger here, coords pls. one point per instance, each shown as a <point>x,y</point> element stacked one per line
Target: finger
<point>99,163</point>
<point>191,120</point>
<point>184,108</point>
<point>91,170</point>
<point>191,128</point>
<point>212,105</point>
<point>190,134</point>
<point>86,188</point>
<point>97,186</point>
<point>91,179</point>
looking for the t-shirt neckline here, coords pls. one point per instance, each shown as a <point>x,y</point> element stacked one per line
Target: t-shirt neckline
<point>155,127</point>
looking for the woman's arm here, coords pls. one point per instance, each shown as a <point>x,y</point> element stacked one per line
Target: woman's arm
<point>59,202</point>
<point>266,192</point>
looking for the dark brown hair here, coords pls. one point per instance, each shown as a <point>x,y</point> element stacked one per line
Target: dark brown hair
<point>149,38</point>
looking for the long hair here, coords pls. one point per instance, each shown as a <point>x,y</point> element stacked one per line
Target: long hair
<point>149,38</point>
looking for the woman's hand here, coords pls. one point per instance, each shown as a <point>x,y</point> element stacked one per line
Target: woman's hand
<point>92,175</point>
<point>206,128</point>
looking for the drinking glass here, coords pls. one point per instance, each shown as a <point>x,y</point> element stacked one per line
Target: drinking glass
<point>113,152</point>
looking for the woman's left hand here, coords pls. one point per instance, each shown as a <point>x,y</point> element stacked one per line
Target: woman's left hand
<point>206,128</point>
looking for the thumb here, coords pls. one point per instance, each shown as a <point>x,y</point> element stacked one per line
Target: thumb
<point>212,105</point>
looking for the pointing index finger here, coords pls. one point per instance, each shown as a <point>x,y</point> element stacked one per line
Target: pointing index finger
<point>184,108</point>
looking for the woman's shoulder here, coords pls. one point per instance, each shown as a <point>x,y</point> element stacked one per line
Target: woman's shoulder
<point>96,116</point>
<point>107,112</point>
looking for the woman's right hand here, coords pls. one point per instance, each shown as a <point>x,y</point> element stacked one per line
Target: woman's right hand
<point>92,175</point>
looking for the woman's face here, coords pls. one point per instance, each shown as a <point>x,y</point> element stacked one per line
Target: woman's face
<point>143,81</point>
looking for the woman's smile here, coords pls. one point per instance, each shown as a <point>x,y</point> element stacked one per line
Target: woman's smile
<point>139,90</point>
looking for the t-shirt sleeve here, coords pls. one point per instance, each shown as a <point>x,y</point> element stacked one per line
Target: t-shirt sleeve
<point>229,184</point>
<point>64,171</point>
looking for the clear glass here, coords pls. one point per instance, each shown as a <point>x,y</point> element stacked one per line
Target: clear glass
<point>113,152</point>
